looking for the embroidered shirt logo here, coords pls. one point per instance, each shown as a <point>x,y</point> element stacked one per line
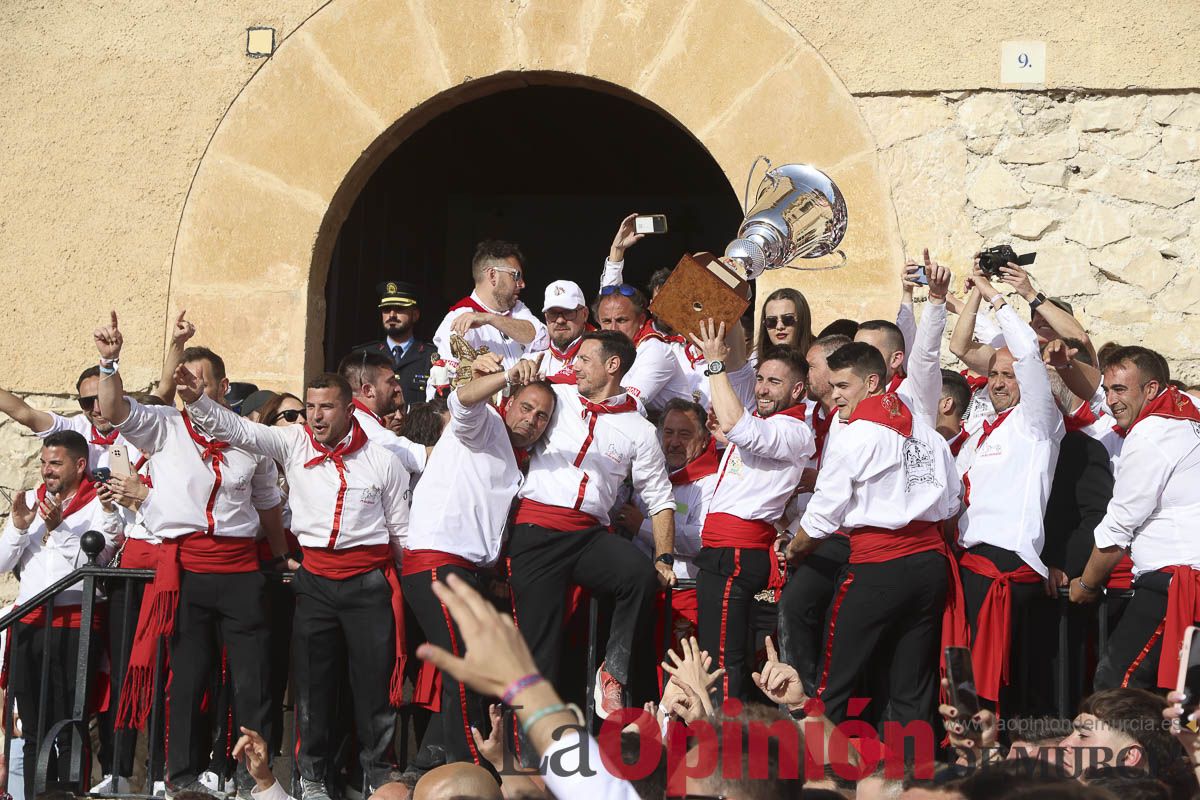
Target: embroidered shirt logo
<point>918,464</point>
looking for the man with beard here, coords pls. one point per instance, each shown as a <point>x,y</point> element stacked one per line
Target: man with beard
<point>400,311</point>
<point>656,375</point>
<point>758,475</point>
<point>377,396</point>
<point>566,320</point>
<point>459,516</point>
<point>42,540</point>
<point>493,316</point>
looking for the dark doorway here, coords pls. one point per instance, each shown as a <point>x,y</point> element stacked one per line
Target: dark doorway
<point>551,168</point>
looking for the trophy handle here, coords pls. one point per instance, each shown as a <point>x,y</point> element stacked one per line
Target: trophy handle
<point>749,177</point>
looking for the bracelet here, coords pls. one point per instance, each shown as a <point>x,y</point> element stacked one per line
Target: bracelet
<point>537,716</point>
<point>1085,587</point>
<point>108,369</point>
<point>997,301</point>
<point>518,686</point>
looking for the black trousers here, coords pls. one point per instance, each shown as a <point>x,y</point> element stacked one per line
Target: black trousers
<point>729,579</point>
<point>887,613</point>
<point>344,626</point>
<point>281,606</point>
<point>1018,697</point>
<point>215,610</point>
<point>1131,658</point>
<point>804,607</point>
<point>449,730</point>
<point>542,563</point>
<point>28,645</point>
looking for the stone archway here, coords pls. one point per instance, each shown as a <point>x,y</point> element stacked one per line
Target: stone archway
<point>359,76</point>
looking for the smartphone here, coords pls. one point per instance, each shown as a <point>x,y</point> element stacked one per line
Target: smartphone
<point>650,223</point>
<point>961,676</point>
<point>918,276</point>
<point>1189,671</point>
<point>118,461</point>
<point>101,475</point>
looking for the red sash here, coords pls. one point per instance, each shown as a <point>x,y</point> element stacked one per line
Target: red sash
<point>139,554</point>
<point>726,530</point>
<point>195,552</point>
<point>426,560</point>
<point>361,406</point>
<point>1080,418</point>
<point>993,628</point>
<point>875,545</point>
<point>358,440</point>
<point>471,303</point>
<point>338,565</point>
<point>64,617</point>
<point>84,494</point>
<point>104,439</point>
<point>1183,609</point>
<point>1121,578</point>
<point>887,410</point>
<point>556,518</point>
<point>821,422</point>
<point>1170,403</point>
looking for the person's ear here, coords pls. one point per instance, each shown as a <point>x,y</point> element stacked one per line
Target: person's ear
<point>416,315</point>
<point>1152,388</point>
<point>1133,756</point>
<point>873,382</point>
<point>897,360</point>
<point>224,387</point>
<point>798,390</point>
<point>946,405</point>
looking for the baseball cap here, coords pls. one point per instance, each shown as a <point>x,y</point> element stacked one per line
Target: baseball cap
<point>563,294</point>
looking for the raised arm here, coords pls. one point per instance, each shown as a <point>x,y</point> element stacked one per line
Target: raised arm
<point>16,533</point>
<point>24,414</point>
<point>614,265</point>
<point>924,363</point>
<point>1063,323</point>
<point>976,356</point>
<point>1082,379</point>
<point>906,318</point>
<point>180,335</point>
<point>726,403</point>
<point>468,403</point>
<point>111,395</point>
<point>223,424</point>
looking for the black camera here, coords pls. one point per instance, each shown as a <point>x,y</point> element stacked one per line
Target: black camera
<point>992,259</point>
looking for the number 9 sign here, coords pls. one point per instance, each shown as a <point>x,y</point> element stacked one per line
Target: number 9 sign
<point>1023,63</point>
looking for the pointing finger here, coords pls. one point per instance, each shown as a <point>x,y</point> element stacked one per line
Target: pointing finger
<point>772,654</point>
<point>114,319</point>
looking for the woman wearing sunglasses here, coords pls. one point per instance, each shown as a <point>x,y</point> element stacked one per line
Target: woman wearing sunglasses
<point>786,320</point>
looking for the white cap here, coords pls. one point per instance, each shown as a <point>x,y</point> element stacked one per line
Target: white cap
<point>563,294</point>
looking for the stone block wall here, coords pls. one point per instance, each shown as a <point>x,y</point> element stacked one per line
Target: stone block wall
<point>1104,188</point>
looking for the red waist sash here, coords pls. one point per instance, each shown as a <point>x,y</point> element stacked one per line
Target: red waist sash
<point>1183,609</point>
<point>556,518</point>
<point>726,530</point>
<point>993,629</point>
<point>1121,577</point>
<point>869,545</point>
<point>139,554</point>
<point>425,560</point>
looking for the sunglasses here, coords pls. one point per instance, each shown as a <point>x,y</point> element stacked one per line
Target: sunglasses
<point>292,414</point>
<point>623,288</point>
<point>516,273</point>
<point>788,320</point>
<point>87,403</point>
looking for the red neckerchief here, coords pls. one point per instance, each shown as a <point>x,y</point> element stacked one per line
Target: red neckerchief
<point>568,355</point>
<point>699,467</point>
<point>1080,418</point>
<point>209,448</point>
<point>693,354</point>
<point>975,383</point>
<point>648,331</point>
<point>988,427</point>
<point>104,439</point>
<point>470,302</point>
<point>958,440</point>
<point>589,407</point>
<point>821,424</point>
<point>358,439</point>
<point>361,406</point>
<point>795,412</point>
<point>894,383</point>
<point>887,410</point>
<point>1170,403</point>
<point>84,494</point>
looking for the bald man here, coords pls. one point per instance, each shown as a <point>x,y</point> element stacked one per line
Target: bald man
<point>451,780</point>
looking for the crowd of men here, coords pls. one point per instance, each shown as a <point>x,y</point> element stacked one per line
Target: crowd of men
<point>838,491</point>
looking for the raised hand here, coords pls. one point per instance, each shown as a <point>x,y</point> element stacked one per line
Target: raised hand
<point>780,681</point>
<point>109,340</point>
<point>22,514</point>
<point>491,748</point>
<point>1059,355</point>
<point>711,340</point>
<point>472,319</point>
<point>486,364</point>
<point>525,370</point>
<point>981,730</point>
<point>691,669</point>
<point>187,384</point>
<point>1016,276</point>
<point>252,750</point>
<point>183,331</point>
<point>50,510</point>
<point>625,238</point>
<point>939,278</point>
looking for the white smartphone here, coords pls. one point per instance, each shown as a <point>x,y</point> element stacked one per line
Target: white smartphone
<point>650,223</point>
<point>118,461</point>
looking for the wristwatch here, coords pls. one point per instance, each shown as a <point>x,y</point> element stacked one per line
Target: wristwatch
<point>1036,301</point>
<point>666,558</point>
<point>715,367</point>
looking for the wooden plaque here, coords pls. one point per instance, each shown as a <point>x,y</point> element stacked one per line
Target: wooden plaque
<point>700,287</point>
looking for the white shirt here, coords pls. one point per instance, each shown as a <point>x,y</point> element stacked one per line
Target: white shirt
<point>1008,477</point>
<point>461,505</point>
<point>656,376</point>
<point>871,476</point>
<point>375,494</point>
<point>762,466</point>
<point>43,564</point>
<point>509,350</point>
<point>1155,504</point>
<point>182,500</point>
<point>81,424</point>
<point>691,507</point>
<point>411,454</point>
<point>608,449</point>
<point>921,389</point>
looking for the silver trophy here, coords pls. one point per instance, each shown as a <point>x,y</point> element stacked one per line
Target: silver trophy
<point>798,213</point>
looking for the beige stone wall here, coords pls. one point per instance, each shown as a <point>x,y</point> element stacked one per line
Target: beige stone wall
<point>1102,187</point>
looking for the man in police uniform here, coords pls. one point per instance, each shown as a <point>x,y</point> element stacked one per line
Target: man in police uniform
<point>400,311</point>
